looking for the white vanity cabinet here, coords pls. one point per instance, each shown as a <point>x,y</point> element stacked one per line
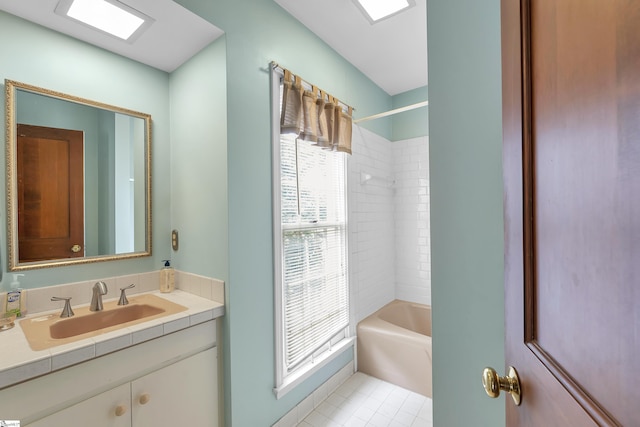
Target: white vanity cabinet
<point>182,394</point>
<point>108,409</point>
<point>167,381</point>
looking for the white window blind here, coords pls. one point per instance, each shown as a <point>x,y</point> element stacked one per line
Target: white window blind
<point>312,280</point>
<point>315,293</point>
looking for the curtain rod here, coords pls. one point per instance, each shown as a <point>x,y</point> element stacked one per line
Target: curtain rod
<point>392,112</point>
<point>279,67</point>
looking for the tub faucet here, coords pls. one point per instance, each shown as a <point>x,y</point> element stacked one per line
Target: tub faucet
<point>99,289</point>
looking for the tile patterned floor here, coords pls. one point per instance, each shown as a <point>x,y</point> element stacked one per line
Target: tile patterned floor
<point>364,401</point>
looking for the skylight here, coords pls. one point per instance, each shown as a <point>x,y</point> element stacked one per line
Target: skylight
<point>377,10</point>
<point>109,16</point>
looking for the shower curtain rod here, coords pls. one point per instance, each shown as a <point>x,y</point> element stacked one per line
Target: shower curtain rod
<point>392,112</point>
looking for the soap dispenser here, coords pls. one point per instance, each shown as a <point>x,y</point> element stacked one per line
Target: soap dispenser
<point>167,277</point>
<point>16,297</point>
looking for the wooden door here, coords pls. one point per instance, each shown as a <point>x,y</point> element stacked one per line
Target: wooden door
<point>571,129</point>
<point>50,170</point>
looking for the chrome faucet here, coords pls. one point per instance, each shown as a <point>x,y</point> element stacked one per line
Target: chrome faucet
<point>66,311</point>
<point>99,289</point>
<point>123,296</point>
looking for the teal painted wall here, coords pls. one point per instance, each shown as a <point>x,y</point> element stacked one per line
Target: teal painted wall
<point>48,59</point>
<point>258,32</point>
<point>199,162</point>
<point>465,139</point>
<point>413,123</point>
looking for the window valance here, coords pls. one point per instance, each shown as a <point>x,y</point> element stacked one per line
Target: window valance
<point>314,116</point>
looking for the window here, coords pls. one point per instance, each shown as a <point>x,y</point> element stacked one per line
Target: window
<point>310,239</point>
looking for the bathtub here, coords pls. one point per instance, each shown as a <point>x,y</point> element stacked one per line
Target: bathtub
<point>394,345</point>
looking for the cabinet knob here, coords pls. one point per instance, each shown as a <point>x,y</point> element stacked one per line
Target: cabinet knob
<point>144,398</point>
<point>121,410</point>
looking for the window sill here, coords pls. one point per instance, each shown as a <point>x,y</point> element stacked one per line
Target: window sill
<point>295,378</point>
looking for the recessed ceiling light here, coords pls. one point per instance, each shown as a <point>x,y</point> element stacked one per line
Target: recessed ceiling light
<point>110,16</point>
<point>377,10</point>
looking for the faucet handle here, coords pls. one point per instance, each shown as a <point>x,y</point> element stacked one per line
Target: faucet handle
<point>66,311</point>
<point>123,297</point>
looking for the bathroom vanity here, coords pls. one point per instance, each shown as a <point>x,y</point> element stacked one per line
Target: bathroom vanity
<point>159,372</point>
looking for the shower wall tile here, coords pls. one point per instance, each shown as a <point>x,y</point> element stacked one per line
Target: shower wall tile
<point>371,217</point>
<point>389,234</point>
<point>412,229</point>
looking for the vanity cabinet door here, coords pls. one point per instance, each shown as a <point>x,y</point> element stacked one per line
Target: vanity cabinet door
<point>182,394</point>
<point>109,409</point>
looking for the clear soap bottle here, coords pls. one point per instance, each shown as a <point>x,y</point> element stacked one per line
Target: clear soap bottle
<point>16,301</point>
<point>167,277</point>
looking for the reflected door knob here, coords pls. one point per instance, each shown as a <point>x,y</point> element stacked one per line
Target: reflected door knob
<point>493,383</point>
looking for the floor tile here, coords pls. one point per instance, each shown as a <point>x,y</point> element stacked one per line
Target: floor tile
<point>365,401</point>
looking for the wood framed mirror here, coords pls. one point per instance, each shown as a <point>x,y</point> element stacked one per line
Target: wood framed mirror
<point>78,179</point>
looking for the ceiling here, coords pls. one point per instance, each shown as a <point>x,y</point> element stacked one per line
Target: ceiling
<point>378,50</point>
<point>176,35</point>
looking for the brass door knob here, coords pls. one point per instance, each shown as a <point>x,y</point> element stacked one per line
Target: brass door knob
<point>493,383</point>
<point>76,248</point>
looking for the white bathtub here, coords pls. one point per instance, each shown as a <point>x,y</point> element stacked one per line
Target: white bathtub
<point>394,344</point>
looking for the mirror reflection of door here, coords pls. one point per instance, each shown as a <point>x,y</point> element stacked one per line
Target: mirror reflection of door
<point>50,170</point>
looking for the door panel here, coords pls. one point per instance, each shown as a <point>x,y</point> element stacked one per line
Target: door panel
<point>571,99</point>
<point>50,171</point>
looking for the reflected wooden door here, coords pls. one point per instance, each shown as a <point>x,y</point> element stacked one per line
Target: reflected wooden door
<point>50,171</point>
<point>571,128</point>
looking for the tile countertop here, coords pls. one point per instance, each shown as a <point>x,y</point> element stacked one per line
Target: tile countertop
<point>18,362</point>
